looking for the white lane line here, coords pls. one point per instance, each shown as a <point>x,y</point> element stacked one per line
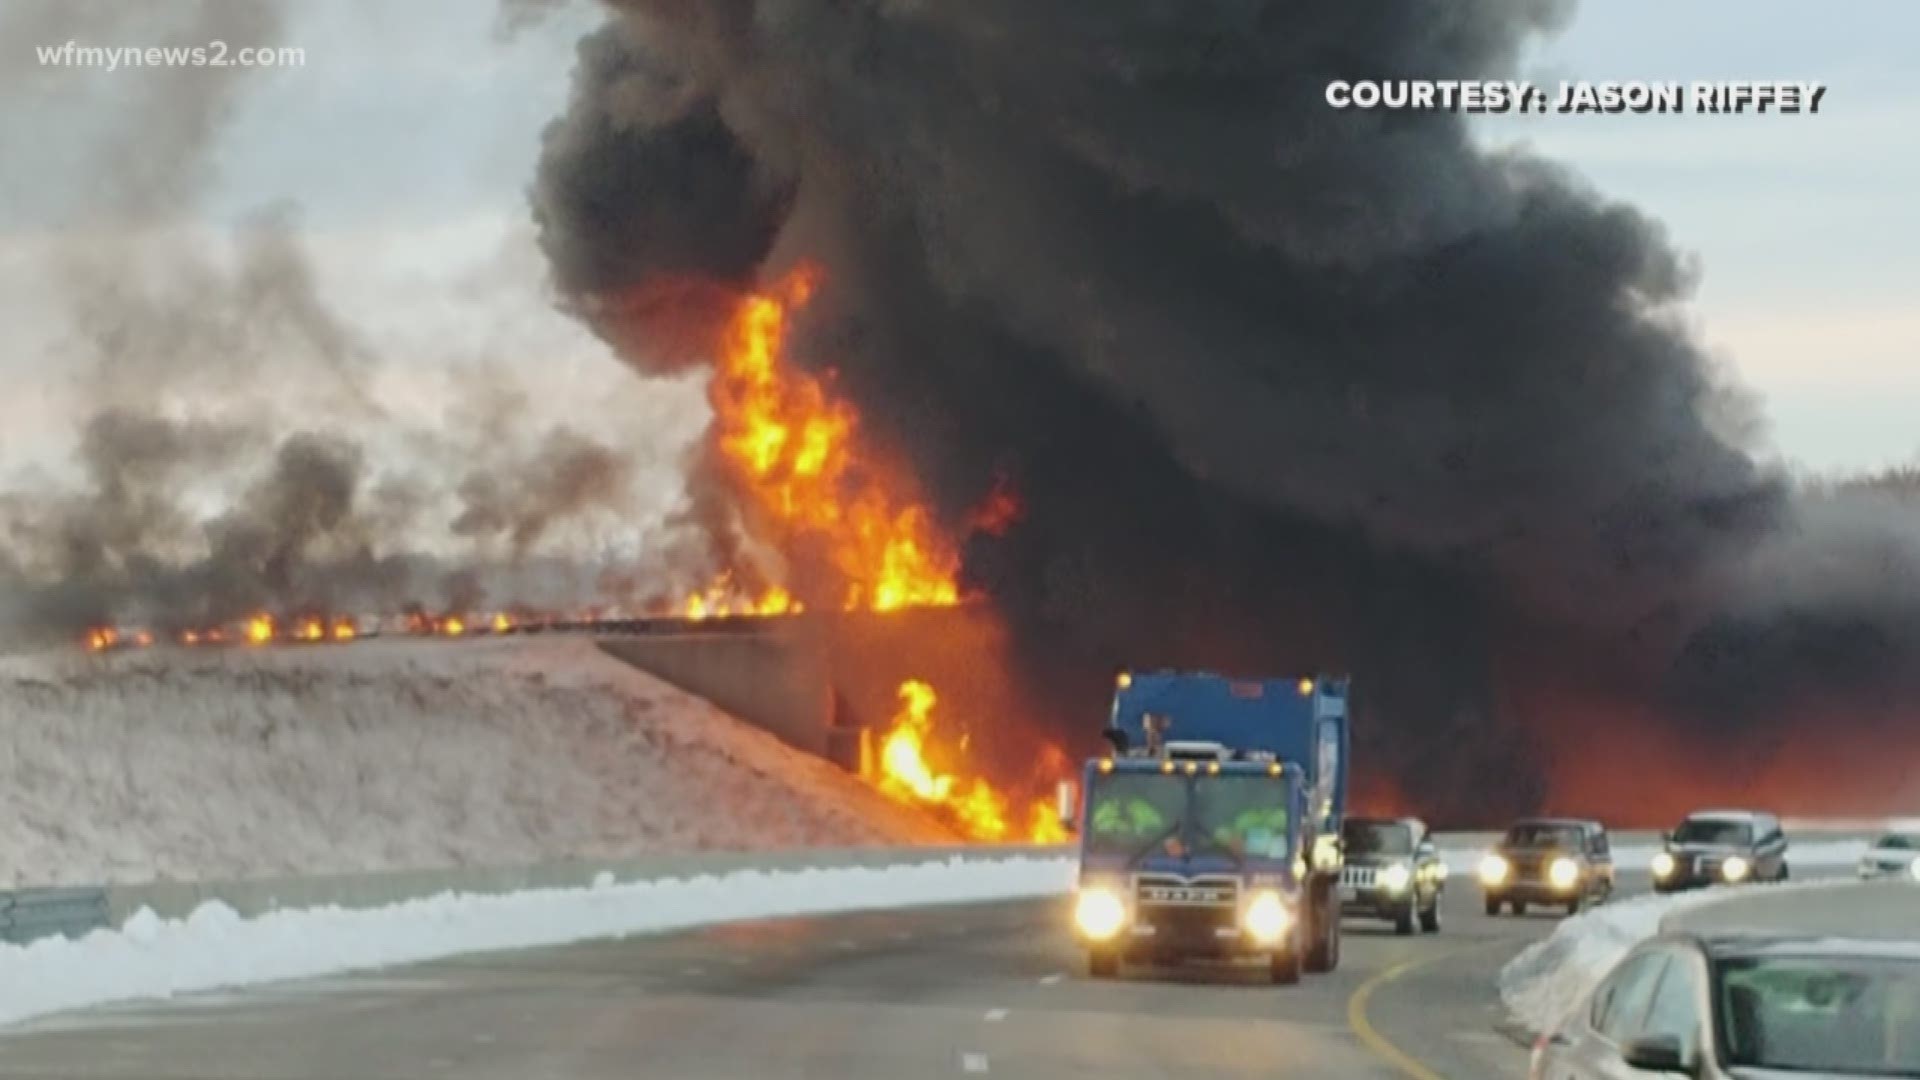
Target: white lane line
<point>1049,980</point>
<point>994,1016</point>
<point>738,961</point>
<point>973,1063</point>
<point>693,971</point>
<point>902,935</point>
<point>848,946</point>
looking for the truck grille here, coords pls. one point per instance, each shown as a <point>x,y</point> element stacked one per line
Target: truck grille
<point>1358,877</point>
<point>1166,891</point>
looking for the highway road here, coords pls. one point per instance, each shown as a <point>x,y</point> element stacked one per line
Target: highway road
<point>956,991</point>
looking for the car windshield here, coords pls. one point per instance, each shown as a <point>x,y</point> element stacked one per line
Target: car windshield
<point>1543,834</point>
<point>1852,1016</point>
<point>1246,815</point>
<point>1377,838</point>
<point>1713,831</point>
<point>1898,842</point>
<point>1128,812</point>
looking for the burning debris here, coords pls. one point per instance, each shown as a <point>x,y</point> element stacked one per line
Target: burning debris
<point>918,763</point>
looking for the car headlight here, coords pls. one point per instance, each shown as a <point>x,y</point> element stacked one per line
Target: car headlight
<point>1099,913</point>
<point>1267,919</point>
<point>1494,870</point>
<point>1913,868</point>
<point>1735,868</point>
<point>1663,864</point>
<point>1395,877</point>
<point>1564,873</point>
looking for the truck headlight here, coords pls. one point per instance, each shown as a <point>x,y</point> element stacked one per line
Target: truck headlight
<point>1663,864</point>
<point>1735,868</point>
<point>1564,873</point>
<point>1326,852</point>
<point>1395,877</point>
<point>1494,870</point>
<point>1267,919</point>
<point>1099,913</point>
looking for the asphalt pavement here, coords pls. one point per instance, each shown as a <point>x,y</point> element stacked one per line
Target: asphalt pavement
<point>966,990</point>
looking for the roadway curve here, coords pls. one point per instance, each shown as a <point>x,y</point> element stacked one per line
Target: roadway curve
<point>991,989</point>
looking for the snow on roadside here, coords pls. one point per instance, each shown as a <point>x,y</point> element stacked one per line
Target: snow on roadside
<point>1551,976</point>
<point>214,948</point>
<point>212,764</point>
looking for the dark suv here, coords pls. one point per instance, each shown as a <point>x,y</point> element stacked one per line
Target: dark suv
<point>1715,847</point>
<point>1393,871</point>
<point>1555,861</point>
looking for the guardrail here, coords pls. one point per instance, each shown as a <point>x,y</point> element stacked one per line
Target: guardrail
<point>32,914</point>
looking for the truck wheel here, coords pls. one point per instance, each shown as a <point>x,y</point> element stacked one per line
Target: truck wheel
<point>1323,924</point>
<point>1403,922</point>
<point>1519,907</point>
<point>1574,905</point>
<point>1103,965</point>
<point>1430,918</point>
<point>1285,968</point>
<point>1493,907</point>
<point>1783,872</point>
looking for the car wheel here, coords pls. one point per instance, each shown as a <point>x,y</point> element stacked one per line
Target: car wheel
<point>1430,918</point>
<point>1783,872</point>
<point>1493,907</point>
<point>1575,905</point>
<point>1403,922</point>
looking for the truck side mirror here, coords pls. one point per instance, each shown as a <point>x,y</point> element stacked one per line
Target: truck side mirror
<point>1426,850</point>
<point>1067,805</point>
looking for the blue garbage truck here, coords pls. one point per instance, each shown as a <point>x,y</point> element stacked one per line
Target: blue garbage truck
<point>1212,828</point>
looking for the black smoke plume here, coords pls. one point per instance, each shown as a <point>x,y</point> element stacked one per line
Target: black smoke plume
<point>1282,387</point>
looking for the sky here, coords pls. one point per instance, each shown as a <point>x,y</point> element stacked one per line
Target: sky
<point>408,138</point>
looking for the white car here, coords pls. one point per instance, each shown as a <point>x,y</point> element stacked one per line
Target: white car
<point>1895,855</point>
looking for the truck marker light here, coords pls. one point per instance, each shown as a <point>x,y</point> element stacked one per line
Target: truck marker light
<point>1166,766</point>
<point>1125,680</point>
<point>1192,767</point>
<point>1213,768</point>
<point>1662,865</point>
<point>1306,687</point>
<point>1564,873</point>
<point>1106,765</point>
<point>1273,769</point>
<point>1099,913</point>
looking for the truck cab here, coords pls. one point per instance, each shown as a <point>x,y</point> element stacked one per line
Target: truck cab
<point>1200,838</point>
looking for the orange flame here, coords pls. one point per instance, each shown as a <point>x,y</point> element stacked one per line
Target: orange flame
<point>453,626</point>
<point>344,630</point>
<point>102,639</point>
<point>260,629</point>
<point>502,623</point>
<point>310,630</point>
<point>905,769</point>
<point>795,448</point>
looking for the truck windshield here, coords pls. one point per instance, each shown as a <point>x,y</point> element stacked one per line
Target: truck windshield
<point>1245,815</point>
<point>1126,811</point>
<point>1377,838</point>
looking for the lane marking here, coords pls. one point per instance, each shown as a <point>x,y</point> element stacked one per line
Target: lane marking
<point>973,1063</point>
<point>693,971</point>
<point>846,945</point>
<point>1049,980</point>
<point>994,1016</point>
<point>1370,1036</point>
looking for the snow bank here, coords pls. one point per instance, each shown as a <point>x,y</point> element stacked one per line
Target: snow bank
<point>188,764</point>
<point>1551,976</point>
<point>214,948</point>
